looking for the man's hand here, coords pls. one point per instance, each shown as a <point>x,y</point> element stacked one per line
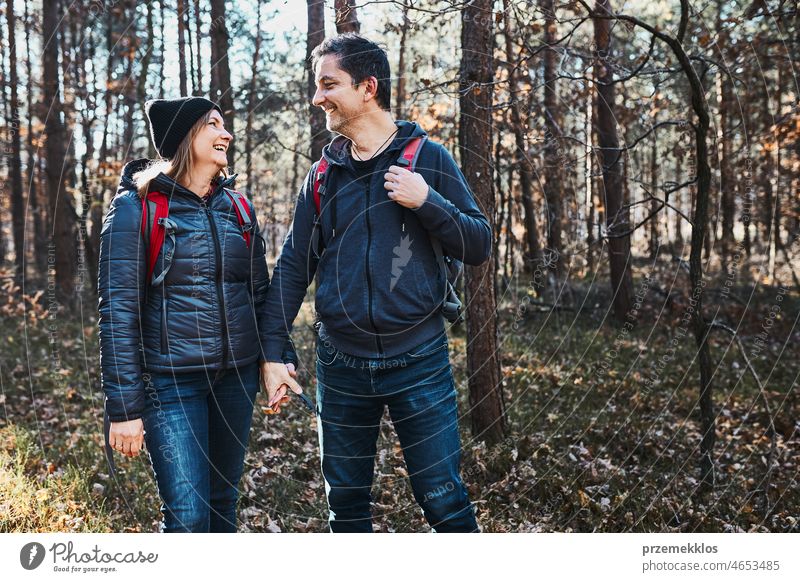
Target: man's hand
<point>127,437</point>
<point>406,188</point>
<point>276,379</point>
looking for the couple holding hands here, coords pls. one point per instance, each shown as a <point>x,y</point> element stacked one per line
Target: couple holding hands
<point>191,327</point>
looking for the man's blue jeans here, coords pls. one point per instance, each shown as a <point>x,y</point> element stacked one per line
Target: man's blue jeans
<point>419,390</point>
<point>196,437</point>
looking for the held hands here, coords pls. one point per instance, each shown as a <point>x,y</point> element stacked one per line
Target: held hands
<point>277,379</point>
<point>127,437</point>
<point>405,187</point>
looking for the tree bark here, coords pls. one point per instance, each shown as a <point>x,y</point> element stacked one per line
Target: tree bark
<point>251,101</point>
<point>553,193</point>
<point>181,15</point>
<point>221,91</point>
<point>17,205</point>
<point>617,219</point>
<point>314,37</point>
<point>532,252</point>
<point>400,94</point>
<point>62,251</point>
<point>141,85</point>
<point>197,33</point>
<point>34,192</point>
<point>475,143</point>
<point>346,16</point>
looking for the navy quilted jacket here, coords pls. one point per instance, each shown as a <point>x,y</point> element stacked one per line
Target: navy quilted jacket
<point>208,314</point>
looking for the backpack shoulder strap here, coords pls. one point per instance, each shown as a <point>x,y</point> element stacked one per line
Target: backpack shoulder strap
<point>155,207</point>
<point>408,159</point>
<point>451,304</point>
<point>319,183</point>
<point>242,208</point>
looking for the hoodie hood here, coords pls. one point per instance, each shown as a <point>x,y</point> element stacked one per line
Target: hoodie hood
<point>162,181</point>
<point>338,150</point>
<point>126,181</point>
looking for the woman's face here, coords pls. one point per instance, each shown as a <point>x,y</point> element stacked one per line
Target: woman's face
<point>210,145</point>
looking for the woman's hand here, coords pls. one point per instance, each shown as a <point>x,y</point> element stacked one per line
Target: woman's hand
<point>127,437</point>
<point>276,380</point>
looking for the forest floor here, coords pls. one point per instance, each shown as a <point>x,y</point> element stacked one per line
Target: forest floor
<point>603,425</point>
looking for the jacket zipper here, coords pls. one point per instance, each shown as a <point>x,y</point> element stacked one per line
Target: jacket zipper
<point>369,278</point>
<point>164,318</point>
<point>218,278</point>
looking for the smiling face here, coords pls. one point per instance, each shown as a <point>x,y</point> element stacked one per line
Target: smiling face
<point>210,145</point>
<point>342,101</point>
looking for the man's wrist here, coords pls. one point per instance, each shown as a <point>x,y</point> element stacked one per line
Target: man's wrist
<point>424,200</point>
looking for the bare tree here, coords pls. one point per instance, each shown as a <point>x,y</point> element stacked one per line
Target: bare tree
<point>251,101</point>
<point>475,146</point>
<point>553,192</point>
<point>221,90</point>
<point>61,213</point>
<point>346,16</point>
<point>523,163</point>
<point>37,206</point>
<point>181,15</point>
<point>700,128</point>
<point>17,208</point>
<point>197,36</point>
<point>314,37</point>
<point>400,94</point>
<point>617,214</point>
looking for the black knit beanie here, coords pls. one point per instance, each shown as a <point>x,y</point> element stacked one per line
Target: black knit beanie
<point>171,120</point>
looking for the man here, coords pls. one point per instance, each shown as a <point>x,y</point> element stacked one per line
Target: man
<point>379,293</point>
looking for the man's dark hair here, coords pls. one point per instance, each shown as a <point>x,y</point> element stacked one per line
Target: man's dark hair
<point>360,58</point>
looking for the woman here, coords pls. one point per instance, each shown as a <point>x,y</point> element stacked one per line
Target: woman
<point>179,325</point>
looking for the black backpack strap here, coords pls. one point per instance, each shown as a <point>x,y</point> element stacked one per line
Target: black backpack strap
<point>451,304</point>
<point>320,184</point>
<point>170,229</point>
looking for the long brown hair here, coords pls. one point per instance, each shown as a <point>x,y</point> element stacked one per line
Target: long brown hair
<point>178,166</point>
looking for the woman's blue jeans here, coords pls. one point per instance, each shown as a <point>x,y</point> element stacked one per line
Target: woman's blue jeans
<point>419,390</point>
<point>196,436</point>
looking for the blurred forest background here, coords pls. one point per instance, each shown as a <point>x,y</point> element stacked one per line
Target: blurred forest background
<point>630,359</point>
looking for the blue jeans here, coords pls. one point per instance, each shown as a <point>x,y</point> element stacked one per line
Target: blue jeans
<point>419,390</point>
<point>196,436</point>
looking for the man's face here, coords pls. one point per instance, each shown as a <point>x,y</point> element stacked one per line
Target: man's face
<point>341,101</point>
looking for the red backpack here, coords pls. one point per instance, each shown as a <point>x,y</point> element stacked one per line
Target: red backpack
<point>157,226</point>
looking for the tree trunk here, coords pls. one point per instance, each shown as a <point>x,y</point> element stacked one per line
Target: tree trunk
<point>187,26</point>
<point>314,37</point>
<point>141,85</point>
<point>553,192</point>
<point>727,183</point>
<point>532,254</point>
<point>475,143</point>
<point>197,33</point>
<point>62,251</point>
<point>400,95</point>
<point>346,16</point>
<point>222,92</point>
<point>17,205</point>
<point>251,101</point>
<point>617,219</point>
<point>162,12</point>
<point>5,136</point>
<point>34,192</point>
<point>677,201</point>
<point>652,225</point>
<point>181,15</point>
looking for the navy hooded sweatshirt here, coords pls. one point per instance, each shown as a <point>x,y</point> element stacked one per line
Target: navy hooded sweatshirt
<point>379,286</point>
